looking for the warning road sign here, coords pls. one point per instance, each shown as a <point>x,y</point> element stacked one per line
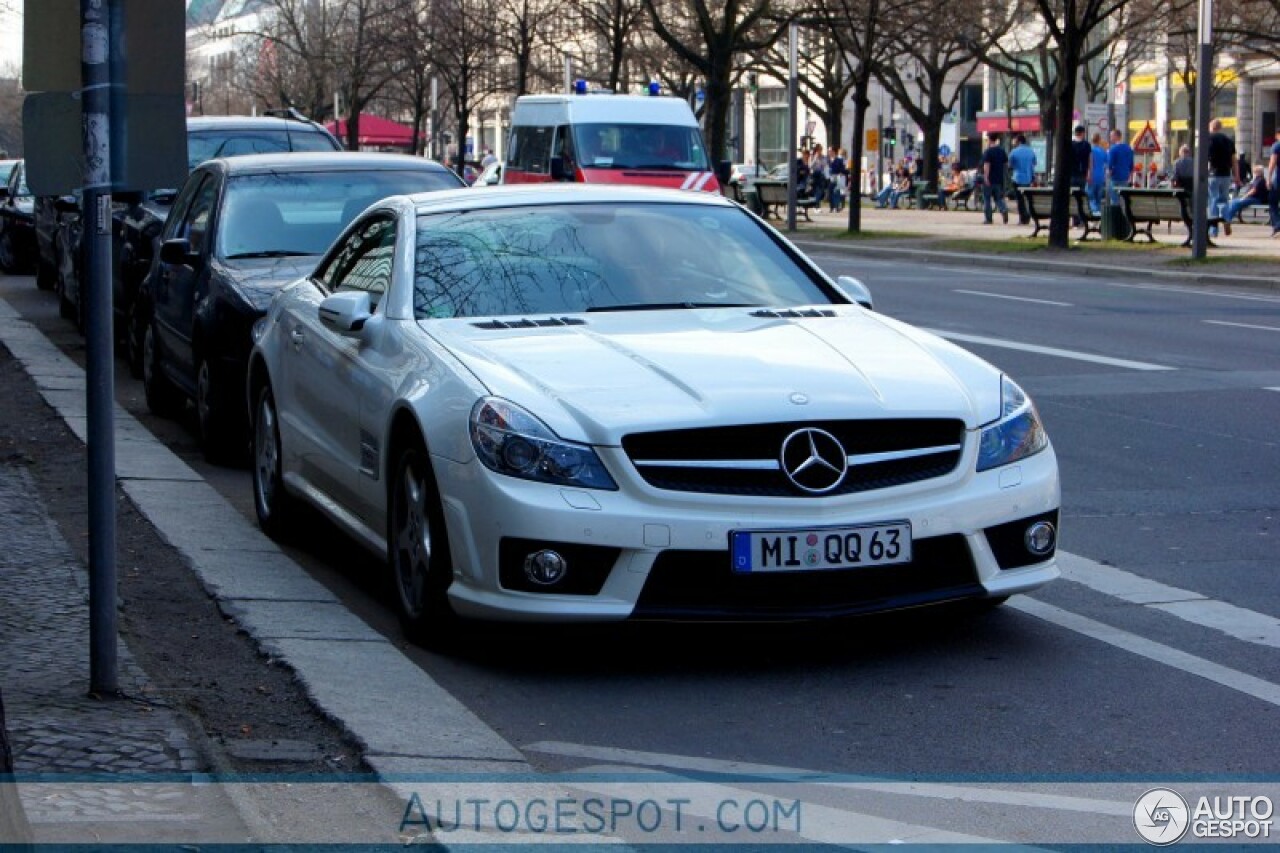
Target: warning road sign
<point>1146,142</point>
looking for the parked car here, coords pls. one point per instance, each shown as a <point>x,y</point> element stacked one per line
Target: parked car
<point>68,260</point>
<point>6,169</point>
<point>17,220</point>
<point>490,176</point>
<point>239,228</point>
<point>600,403</point>
<point>743,174</point>
<point>139,217</point>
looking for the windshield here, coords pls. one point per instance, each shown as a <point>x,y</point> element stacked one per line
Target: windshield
<point>569,258</point>
<point>207,144</point>
<point>639,146</point>
<point>300,213</point>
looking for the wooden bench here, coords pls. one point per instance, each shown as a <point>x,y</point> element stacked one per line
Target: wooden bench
<point>773,194</point>
<point>1151,207</point>
<point>1039,201</point>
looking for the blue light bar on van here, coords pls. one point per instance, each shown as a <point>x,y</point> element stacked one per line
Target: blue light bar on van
<point>580,87</point>
<point>654,88</point>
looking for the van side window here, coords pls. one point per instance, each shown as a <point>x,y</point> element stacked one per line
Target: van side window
<point>563,147</point>
<point>531,150</point>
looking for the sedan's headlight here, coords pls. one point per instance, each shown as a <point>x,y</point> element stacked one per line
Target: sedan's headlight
<point>1016,435</point>
<point>511,441</point>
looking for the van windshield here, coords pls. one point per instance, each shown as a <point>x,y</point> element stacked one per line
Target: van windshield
<point>639,146</point>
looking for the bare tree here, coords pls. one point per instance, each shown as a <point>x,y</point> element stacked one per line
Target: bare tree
<point>1255,25</point>
<point>822,67</point>
<point>463,57</point>
<point>410,85</point>
<point>11,97</point>
<point>521,36</point>
<point>720,32</point>
<point>931,65</point>
<point>614,24</point>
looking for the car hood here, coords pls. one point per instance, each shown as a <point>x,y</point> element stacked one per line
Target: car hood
<point>622,372</point>
<point>259,279</point>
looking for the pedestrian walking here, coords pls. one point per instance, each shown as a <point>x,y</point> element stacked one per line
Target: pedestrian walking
<point>1273,187</point>
<point>1120,163</point>
<point>1097,173</point>
<point>1022,167</point>
<point>994,165</point>
<point>1224,173</point>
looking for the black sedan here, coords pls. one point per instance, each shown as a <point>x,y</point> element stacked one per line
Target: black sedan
<point>139,217</point>
<point>239,229</point>
<point>17,221</point>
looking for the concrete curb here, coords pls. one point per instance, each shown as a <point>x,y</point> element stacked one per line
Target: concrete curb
<point>404,721</point>
<point>997,261</point>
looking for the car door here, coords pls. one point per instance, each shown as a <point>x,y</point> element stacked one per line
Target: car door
<point>178,287</point>
<point>325,373</point>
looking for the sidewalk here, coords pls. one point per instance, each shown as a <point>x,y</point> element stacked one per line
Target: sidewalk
<point>56,730</point>
<point>1249,257</point>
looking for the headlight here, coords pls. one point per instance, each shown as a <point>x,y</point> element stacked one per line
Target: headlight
<point>511,441</point>
<point>1017,434</point>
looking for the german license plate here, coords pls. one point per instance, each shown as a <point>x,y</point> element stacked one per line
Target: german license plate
<point>820,548</point>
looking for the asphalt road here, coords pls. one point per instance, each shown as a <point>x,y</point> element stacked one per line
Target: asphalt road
<point>1156,656</point>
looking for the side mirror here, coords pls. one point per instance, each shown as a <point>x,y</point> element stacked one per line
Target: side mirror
<point>855,291</point>
<point>559,172</point>
<point>347,312</point>
<point>724,171</point>
<point>177,252</point>
<point>494,179</point>
<point>66,204</point>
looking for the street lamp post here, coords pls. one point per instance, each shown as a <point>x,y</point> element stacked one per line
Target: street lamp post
<point>1204,90</point>
<point>793,87</point>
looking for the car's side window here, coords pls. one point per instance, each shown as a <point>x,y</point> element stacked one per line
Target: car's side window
<point>196,222</point>
<point>365,260</point>
<point>173,226</point>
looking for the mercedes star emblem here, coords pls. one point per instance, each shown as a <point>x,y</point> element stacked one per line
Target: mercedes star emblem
<point>814,460</point>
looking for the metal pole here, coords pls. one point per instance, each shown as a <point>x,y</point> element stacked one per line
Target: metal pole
<point>793,87</point>
<point>1204,93</point>
<point>435,118</point>
<point>97,22</point>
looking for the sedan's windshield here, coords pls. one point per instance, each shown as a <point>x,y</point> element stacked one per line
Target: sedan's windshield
<point>300,213</point>
<point>569,258</point>
<point>639,146</point>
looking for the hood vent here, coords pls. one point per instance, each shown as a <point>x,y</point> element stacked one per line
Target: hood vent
<point>792,313</point>
<point>528,323</point>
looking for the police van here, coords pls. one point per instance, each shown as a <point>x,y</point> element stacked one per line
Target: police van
<point>608,139</point>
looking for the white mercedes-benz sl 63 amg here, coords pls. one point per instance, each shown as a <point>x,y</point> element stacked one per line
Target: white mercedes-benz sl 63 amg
<point>598,403</point>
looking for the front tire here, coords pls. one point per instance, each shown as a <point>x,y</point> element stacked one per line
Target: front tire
<point>418,550</point>
<point>275,507</point>
<point>222,434</point>
<point>163,398</point>
<point>8,257</point>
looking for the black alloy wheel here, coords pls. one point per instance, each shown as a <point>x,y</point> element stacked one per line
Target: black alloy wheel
<point>222,434</point>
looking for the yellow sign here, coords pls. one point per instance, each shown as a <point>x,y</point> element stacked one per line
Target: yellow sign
<point>1142,83</point>
<point>873,139</point>
<point>1222,77</point>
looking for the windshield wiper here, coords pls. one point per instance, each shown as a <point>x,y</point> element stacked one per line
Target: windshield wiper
<point>669,306</point>
<point>270,253</point>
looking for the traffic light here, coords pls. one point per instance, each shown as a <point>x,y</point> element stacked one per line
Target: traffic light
<point>891,136</point>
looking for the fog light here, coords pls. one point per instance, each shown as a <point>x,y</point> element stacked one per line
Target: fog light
<point>545,567</point>
<point>1040,537</point>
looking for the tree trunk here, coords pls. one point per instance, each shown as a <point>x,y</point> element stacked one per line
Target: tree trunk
<point>717,111</point>
<point>861,102</point>
<point>1060,215</point>
<point>353,128</point>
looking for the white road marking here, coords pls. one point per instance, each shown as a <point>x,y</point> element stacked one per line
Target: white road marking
<point>821,823</point>
<point>1242,325</point>
<point>928,790</point>
<point>1060,353</point>
<point>1238,622</point>
<point>1232,679</point>
<point>1014,298</point>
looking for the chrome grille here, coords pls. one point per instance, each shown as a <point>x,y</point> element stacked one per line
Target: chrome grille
<point>746,460</point>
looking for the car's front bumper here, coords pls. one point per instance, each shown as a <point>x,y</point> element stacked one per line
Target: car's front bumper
<point>667,552</point>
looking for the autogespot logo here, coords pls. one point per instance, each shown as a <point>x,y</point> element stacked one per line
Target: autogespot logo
<point>1161,816</point>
